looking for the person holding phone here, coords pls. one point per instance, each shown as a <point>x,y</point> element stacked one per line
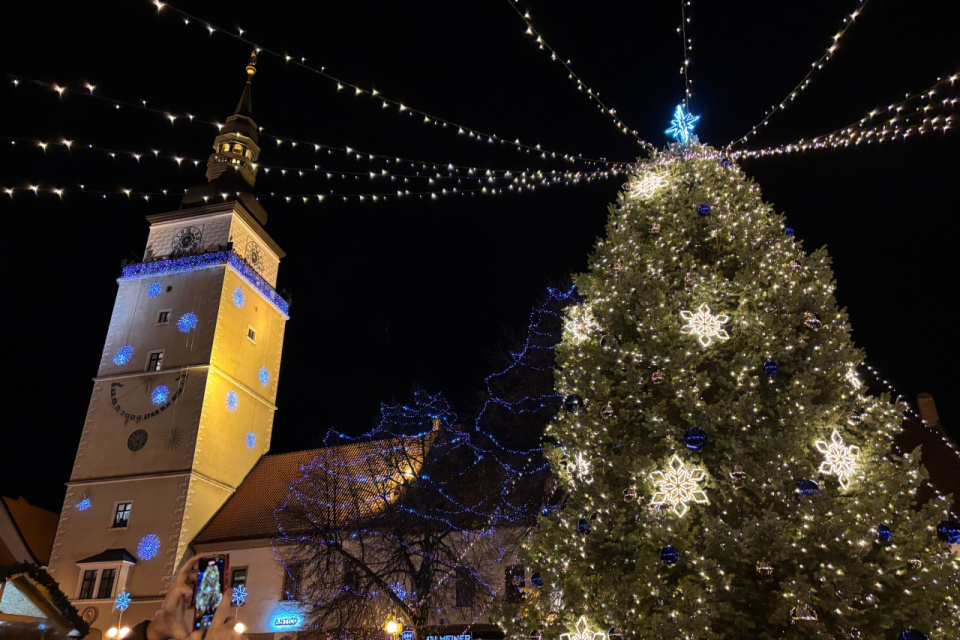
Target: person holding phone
<point>174,622</point>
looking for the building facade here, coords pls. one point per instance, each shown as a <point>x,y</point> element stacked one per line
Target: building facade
<point>183,401</point>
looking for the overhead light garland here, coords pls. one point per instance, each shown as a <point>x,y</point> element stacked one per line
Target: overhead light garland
<point>687,48</point>
<point>357,90</point>
<point>805,82</point>
<point>929,116</point>
<point>582,87</point>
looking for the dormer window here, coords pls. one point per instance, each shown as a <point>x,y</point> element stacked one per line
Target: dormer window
<point>238,148</point>
<point>226,147</point>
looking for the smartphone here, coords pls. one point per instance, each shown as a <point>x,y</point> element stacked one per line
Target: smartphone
<point>211,579</point>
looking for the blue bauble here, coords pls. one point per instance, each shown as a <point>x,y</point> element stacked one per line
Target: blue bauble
<point>573,403</point>
<point>949,531</point>
<point>789,231</point>
<point>669,555</point>
<point>808,487</point>
<point>884,533</point>
<point>703,209</point>
<point>584,527</point>
<point>725,162</point>
<point>913,634</point>
<point>536,579</point>
<point>770,367</point>
<point>694,438</point>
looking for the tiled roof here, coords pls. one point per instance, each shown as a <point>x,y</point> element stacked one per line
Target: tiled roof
<point>355,469</point>
<point>939,455</point>
<point>111,555</point>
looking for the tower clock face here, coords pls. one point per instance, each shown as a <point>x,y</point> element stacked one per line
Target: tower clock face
<point>254,256</point>
<point>137,440</point>
<point>186,239</point>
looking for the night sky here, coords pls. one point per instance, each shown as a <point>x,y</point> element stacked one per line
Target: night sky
<point>393,296</point>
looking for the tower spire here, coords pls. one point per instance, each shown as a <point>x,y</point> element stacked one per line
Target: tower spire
<point>232,168</point>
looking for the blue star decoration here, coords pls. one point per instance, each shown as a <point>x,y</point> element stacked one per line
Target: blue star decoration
<point>122,601</point>
<point>239,595</point>
<point>682,125</point>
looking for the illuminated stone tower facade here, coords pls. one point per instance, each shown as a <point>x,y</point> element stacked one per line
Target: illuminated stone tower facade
<point>183,401</point>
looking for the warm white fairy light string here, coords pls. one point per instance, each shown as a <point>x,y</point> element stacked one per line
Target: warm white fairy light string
<point>808,78</point>
<point>401,108</point>
<point>687,48</point>
<point>449,172</point>
<point>572,75</point>
<point>927,117</point>
<point>516,185</point>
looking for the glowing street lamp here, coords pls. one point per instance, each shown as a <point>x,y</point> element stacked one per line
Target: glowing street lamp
<point>392,627</point>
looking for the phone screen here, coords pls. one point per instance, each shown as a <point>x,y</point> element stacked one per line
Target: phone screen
<point>210,582</point>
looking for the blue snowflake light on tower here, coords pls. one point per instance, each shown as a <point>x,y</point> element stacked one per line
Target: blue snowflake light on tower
<point>148,547</point>
<point>681,127</point>
<point>84,504</point>
<point>232,400</point>
<point>239,595</point>
<point>264,376</point>
<point>160,394</point>
<point>251,440</point>
<point>122,601</point>
<point>154,289</point>
<point>187,323</point>
<point>238,298</point>
<point>123,355</point>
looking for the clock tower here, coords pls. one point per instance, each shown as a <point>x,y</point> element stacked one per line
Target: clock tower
<point>183,400</point>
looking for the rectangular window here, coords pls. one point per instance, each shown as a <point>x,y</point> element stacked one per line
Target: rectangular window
<point>155,361</point>
<point>291,580</point>
<point>107,576</point>
<point>86,585</point>
<point>163,317</point>
<point>466,587</point>
<point>238,577</point>
<point>351,577</point>
<point>514,579</point>
<point>121,516</point>
<point>252,335</point>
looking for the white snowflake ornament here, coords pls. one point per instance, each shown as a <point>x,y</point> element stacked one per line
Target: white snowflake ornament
<point>646,186</point>
<point>704,325</point>
<point>583,632</point>
<point>581,325</point>
<point>678,485</point>
<point>839,459</point>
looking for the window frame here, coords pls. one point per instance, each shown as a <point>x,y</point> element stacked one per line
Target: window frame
<point>150,355</point>
<point>292,576</point>
<point>233,576</point>
<point>114,571</point>
<point>116,507</point>
<point>252,328</point>
<point>161,319</point>
<point>93,583</point>
<point>465,588</point>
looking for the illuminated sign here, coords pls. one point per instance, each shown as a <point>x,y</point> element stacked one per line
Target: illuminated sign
<point>407,634</point>
<point>465,636</point>
<point>286,621</point>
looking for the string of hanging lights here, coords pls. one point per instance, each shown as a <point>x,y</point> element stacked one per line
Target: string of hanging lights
<point>931,115</point>
<point>817,65</point>
<point>572,75</point>
<point>687,48</point>
<point>515,185</point>
<point>448,172</point>
<point>386,103</point>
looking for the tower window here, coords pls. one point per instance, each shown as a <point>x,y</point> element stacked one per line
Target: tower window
<point>238,577</point>
<point>226,147</point>
<point>466,587</point>
<point>107,576</point>
<point>163,317</point>
<point>121,516</point>
<point>155,361</point>
<point>86,585</point>
<point>291,580</point>
<point>252,334</point>
<point>238,148</point>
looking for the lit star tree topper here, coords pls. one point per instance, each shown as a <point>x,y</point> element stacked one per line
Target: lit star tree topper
<point>681,127</point>
<point>122,601</point>
<point>839,459</point>
<point>583,633</point>
<point>705,325</point>
<point>239,595</point>
<point>678,485</point>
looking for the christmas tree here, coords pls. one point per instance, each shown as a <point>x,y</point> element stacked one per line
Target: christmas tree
<point>724,473</point>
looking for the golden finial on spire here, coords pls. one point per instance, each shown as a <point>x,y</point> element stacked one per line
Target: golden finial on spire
<point>252,67</point>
